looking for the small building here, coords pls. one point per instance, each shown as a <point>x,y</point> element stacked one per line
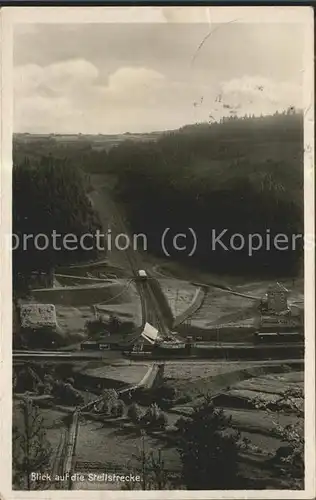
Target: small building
<point>150,333</point>
<point>277,315</point>
<point>146,337</point>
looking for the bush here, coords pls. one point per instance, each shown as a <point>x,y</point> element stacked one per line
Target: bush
<point>151,414</point>
<point>66,394</point>
<point>108,402</point>
<point>30,448</point>
<point>289,457</point>
<point>165,404</point>
<point>40,388</point>
<point>143,396</point>
<point>209,450</point>
<point>109,395</point>
<point>164,396</point>
<point>134,413</point>
<point>166,392</point>
<point>185,398</point>
<point>162,420</point>
<point>48,379</point>
<point>154,417</point>
<point>118,409</point>
<point>96,326</point>
<point>181,424</point>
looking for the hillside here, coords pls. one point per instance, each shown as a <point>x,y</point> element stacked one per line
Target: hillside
<point>243,175</point>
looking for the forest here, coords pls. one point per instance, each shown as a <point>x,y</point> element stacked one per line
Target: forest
<point>240,174</point>
<point>243,175</point>
<point>49,197</point>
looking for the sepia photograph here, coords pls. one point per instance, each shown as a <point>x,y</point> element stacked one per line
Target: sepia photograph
<point>162,242</point>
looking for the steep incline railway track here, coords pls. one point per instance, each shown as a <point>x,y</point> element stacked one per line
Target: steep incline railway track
<point>149,306</point>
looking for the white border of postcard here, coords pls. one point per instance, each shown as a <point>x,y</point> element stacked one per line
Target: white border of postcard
<point>29,15</point>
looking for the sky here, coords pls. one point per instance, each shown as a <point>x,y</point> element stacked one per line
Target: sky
<point>114,78</point>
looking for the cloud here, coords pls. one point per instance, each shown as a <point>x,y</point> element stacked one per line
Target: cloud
<point>73,96</point>
<point>45,96</point>
<point>258,94</point>
<point>45,115</point>
<point>134,82</point>
<point>70,96</point>
<point>59,77</point>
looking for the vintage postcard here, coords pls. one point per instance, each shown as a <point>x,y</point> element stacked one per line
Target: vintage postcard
<point>157,263</point>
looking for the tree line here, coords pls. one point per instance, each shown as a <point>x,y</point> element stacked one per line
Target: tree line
<point>240,174</point>
<point>243,175</point>
<point>49,197</point>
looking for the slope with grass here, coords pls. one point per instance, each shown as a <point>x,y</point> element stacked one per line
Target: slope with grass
<point>242,175</point>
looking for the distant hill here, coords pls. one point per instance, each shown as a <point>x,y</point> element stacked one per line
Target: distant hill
<point>98,141</point>
<point>86,150</point>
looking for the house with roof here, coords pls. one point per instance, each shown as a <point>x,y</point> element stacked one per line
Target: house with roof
<point>146,337</point>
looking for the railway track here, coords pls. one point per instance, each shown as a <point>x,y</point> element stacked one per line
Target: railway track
<point>98,354</point>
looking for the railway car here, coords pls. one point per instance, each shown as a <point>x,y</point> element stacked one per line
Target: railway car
<point>142,274</point>
<point>278,337</point>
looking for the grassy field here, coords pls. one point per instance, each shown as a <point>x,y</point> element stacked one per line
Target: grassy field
<point>214,377</point>
<point>187,371</point>
<point>238,397</point>
<point>259,425</point>
<point>128,373</point>
<point>173,269</point>
<point>85,294</point>
<point>220,308</point>
<point>179,294</point>
<point>223,308</point>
